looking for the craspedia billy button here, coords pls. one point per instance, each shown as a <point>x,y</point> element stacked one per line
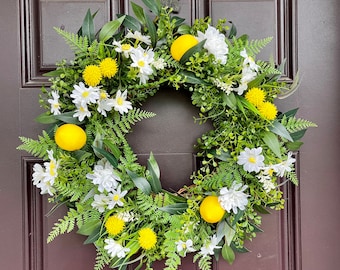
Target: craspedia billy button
<point>210,209</point>
<point>70,137</point>
<point>181,45</point>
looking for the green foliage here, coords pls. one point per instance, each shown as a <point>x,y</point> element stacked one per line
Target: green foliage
<point>37,147</point>
<point>294,124</point>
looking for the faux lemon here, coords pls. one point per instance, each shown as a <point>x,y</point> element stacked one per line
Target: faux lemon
<point>181,45</point>
<point>211,210</point>
<point>70,137</point>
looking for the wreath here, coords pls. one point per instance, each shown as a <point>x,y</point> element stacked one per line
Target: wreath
<point>95,99</point>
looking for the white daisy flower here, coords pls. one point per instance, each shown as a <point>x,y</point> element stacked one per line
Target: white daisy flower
<point>116,198</point>
<point>84,95</point>
<point>215,43</point>
<point>104,176</point>
<point>124,48</point>
<point>81,112</point>
<point>233,198</point>
<point>114,249</point>
<point>100,202</point>
<point>285,166</point>
<point>120,103</point>
<point>210,246</point>
<point>54,101</point>
<point>105,104</point>
<point>249,72</point>
<point>139,37</point>
<point>251,159</point>
<point>186,246</point>
<point>143,60</point>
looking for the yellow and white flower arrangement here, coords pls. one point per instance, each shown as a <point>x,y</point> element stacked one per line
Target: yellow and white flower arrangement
<point>119,204</point>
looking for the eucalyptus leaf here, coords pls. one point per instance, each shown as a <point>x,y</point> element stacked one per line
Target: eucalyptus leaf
<point>131,22</point>
<point>89,227</point>
<point>232,31</point>
<point>152,30</point>
<point>178,22</point>
<point>261,209</point>
<point>113,148</point>
<point>191,78</point>
<point>139,12</point>
<point>154,5</point>
<point>140,182</point>
<point>229,100</point>
<point>174,209</point>
<point>68,118</point>
<point>46,118</point>
<point>93,237</point>
<point>228,254</point>
<point>280,130</point>
<point>272,142</point>
<point>184,29</point>
<point>155,174</point>
<point>224,230</point>
<point>113,161</point>
<point>87,28</point>
<point>110,28</point>
<point>294,146</point>
<point>197,48</point>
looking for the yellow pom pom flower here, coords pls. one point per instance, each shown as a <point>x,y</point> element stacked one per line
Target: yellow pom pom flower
<point>147,238</point>
<point>92,75</point>
<point>255,96</point>
<point>268,110</point>
<point>114,225</point>
<point>108,67</point>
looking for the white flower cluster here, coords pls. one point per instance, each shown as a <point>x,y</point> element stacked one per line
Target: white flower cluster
<point>253,161</point>
<point>108,184</point>
<point>43,176</point>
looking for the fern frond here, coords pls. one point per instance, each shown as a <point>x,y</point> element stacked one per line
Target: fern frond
<point>292,177</point>
<point>256,45</point>
<point>294,124</point>
<point>267,68</point>
<point>38,147</point>
<point>102,259</point>
<point>79,44</point>
<point>133,116</point>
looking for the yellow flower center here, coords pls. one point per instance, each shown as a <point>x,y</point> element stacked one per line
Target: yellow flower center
<point>141,63</point>
<point>52,168</point>
<point>116,198</point>
<point>126,47</point>
<point>103,95</point>
<point>120,101</point>
<point>252,159</point>
<point>85,94</point>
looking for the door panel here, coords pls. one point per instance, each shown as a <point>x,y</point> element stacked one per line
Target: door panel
<point>30,47</point>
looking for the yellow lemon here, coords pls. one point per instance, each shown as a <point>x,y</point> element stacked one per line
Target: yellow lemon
<point>70,137</point>
<point>181,45</point>
<point>211,210</point>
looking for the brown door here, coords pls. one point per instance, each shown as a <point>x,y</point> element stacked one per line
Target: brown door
<point>303,237</point>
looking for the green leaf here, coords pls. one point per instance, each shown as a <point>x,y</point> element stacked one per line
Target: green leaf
<point>140,182</point>
<point>228,254</point>
<point>68,118</point>
<point>113,148</point>
<point>280,130</point>
<point>174,209</point>
<point>110,28</point>
<point>239,249</point>
<point>178,22</point>
<point>46,118</point>
<point>87,28</point>
<point>81,155</point>
<point>175,197</point>
<point>197,48</point>
<point>89,227</point>
<point>256,228</point>
<point>229,100</point>
<point>224,230</point>
<point>155,174</point>
<point>93,237</point>
<point>152,30</point>
<point>294,146</point>
<point>113,161</point>
<point>272,142</point>
<point>131,22</point>
<point>191,78</point>
<point>298,135</point>
<point>184,29</point>
<point>233,30</point>
<point>54,73</point>
<point>261,209</point>
<point>237,216</point>
<point>154,5</point>
<point>139,12</point>
<point>224,156</point>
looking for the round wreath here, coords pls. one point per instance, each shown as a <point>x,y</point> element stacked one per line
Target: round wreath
<point>90,167</point>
